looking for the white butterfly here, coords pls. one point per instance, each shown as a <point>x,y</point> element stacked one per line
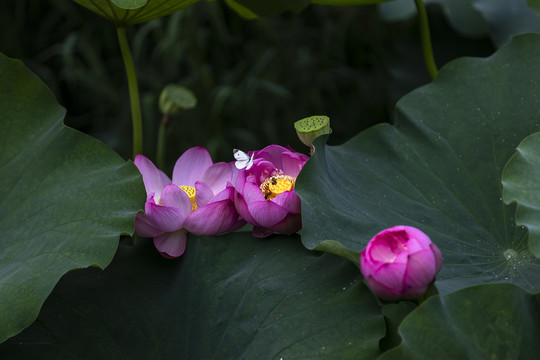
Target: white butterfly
<point>242,159</point>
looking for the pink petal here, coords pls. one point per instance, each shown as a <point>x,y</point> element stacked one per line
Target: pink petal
<point>402,258</point>
<point>171,245</point>
<point>165,180</point>
<point>383,291</point>
<point>242,208</point>
<point>266,213</point>
<point>413,246</point>
<point>191,165</point>
<point>145,227</point>
<point>293,163</point>
<point>217,176</point>
<point>285,159</point>
<point>261,232</point>
<point>252,193</point>
<point>261,170</point>
<point>414,233</point>
<point>154,179</point>
<point>173,196</point>
<point>391,275</point>
<point>240,181</point>
<point>386,246</point>
<point>165,218</point>
<point>420,269</point>
<point>238,224</point>
<point>272,153</point>
<point>290,225</point>
<point>226,194</point>
<point>289,200</point>
<point>203,193</point>
<point>366,267</point>
<point>438,257</point>
<point>212,219</point>
<point>234,173</point>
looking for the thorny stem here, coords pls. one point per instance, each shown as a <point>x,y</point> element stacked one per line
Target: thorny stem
<point>426,39</point>
<point>136,117</point>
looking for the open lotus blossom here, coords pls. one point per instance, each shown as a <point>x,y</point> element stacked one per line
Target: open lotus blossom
<point>265,194</point>
<point>400,263</point>
<point>199,199</point>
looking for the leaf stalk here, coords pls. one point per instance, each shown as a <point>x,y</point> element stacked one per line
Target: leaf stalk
<point>425,38</point>
<point>136,117</point>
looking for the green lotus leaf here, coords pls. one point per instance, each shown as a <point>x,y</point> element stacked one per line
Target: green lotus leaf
<point>520,184</point>
<point>461,14</point>
<point>438,169</point>
<point>227,297</point>
<point>271,8</point>
<point>129,4</point>
<point>175,98</point>
<point>394,313</point>
<point>66,197</point>
<point>534,5</point>
<point>251,9</point>
<point>347,2</point>
<point>129,12</point>
<point>500,19</point>
<point>241,10</point>
<point>496,321</point>
<point>507,18</point>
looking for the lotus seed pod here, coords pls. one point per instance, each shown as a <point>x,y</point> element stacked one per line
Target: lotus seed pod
<point>175,98</point>
<point>310,128</point>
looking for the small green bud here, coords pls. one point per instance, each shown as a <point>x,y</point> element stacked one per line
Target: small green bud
<point>175,98</point>
<point>310,128</point>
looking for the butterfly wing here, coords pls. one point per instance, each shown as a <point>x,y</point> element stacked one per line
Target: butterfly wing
<point>242,159</point>
<point>240,155</point>
<point>250,162</point>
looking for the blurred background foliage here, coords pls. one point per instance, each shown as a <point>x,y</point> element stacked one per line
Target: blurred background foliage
<point>252,78</point>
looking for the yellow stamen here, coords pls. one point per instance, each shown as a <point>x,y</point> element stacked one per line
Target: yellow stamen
<point>276,184</point>
<point>190,191</point>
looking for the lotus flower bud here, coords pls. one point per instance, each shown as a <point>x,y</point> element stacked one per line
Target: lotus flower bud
<point>175,98</point>
<point>400,263</point>
<point>310,128</point>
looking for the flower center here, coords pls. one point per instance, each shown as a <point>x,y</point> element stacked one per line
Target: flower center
<point>276,184</point>
<point>190,191</point>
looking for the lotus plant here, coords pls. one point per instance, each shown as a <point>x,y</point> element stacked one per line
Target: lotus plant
<point>265,194</point>
<point>199,199</point>
<point>400,263</point>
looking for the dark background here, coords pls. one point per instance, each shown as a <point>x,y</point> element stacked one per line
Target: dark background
<point>253,78</point>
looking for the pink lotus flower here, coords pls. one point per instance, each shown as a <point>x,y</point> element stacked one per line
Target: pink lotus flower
<point>199,199</point>
<point>265,194</point>
<point>400,262</point>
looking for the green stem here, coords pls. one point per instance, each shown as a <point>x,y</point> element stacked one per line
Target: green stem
<point>160,151</point>
<point>426,39</point>
<point>335,247</point>
<point>136,117</point>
